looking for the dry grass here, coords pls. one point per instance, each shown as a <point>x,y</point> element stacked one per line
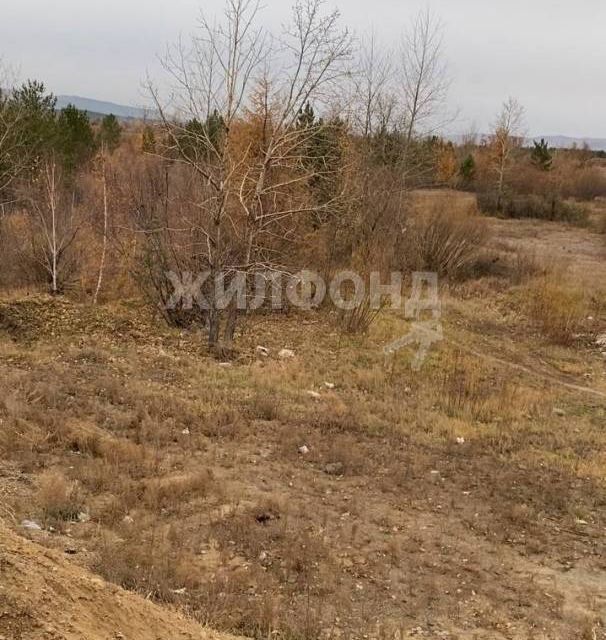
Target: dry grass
<point>560,310</point>
<point>445,237</point>
<point>409,486</point>
<point>58,498</point>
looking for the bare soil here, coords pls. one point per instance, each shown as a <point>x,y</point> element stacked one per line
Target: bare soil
<point>466,501</point>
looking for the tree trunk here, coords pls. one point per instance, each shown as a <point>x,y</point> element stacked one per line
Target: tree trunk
<point>104,249</point>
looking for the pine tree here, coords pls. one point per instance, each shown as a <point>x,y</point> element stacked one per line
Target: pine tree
<point>467,170</point>
<point>541,156</point>
<point>37,118</point>
<point>306,117</point>
<point>202,138</point>
<point>75,140</point>
<point>110,132</point>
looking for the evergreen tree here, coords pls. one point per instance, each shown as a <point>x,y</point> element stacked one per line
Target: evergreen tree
<point>322,155</point>
<point>75,140</point>
<point>37,118</point>
<point>541,156</point>
<point>467,170</point>
<point>110,132</point>
<point>201,137</point>
<point>306,117</point>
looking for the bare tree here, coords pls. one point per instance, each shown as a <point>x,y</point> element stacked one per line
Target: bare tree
<point>54,224</point>
<point>234,74</point>
<point>103,160</point>
<point>374,100</point>
<point>424,81</point>
<point>12,151</point>
<point>507,136</point>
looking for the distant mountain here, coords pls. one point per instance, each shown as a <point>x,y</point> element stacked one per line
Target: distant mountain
<point>554,141</point>
<point>566,142</point>
<point>100,108</point>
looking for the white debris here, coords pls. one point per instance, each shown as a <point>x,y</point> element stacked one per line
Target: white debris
<point>329,385</point>
<point>31,525</point>
<point>185,432</point>
<point>225,364</point>
<point>304,450</point>
<point>262,351</point>
<point>601,340</point>
<point>83,517</point>
<point>285,354</point>
<point>314,394</point>
<point>460,440</point>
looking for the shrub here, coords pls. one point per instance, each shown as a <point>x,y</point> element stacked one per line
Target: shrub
<point>533,206</point>
<point>557,309</point>
<point>585,184</point>
<point>445,240</point>
<point>58,498</point>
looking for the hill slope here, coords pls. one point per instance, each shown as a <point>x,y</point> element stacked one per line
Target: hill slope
<point>42,595</point>
<point>102,107</point>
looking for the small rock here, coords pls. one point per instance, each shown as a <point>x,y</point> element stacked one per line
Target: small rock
<point>314,394</point>
<point>265,516</point>
<point>601,340</point>
<point>285,354</point>
<point>128,520</point>
<point>460,440</point>
<point>262,351</point>
<point>185,432</point>
<point>329,385</point>
<point>304,450</point>
<point>334,469</point>
<point>31,525</point>
<point>559,412</point>
<point>71,551</point>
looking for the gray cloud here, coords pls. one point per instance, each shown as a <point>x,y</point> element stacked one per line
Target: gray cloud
<point>550,54</point>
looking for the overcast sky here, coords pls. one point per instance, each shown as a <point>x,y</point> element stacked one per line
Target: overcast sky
<point>550,54</point>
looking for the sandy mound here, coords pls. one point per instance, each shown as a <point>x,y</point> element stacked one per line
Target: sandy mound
<point>43,596</point>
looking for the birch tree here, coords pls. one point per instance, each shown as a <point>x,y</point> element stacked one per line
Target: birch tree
<point>507,136</point>
<point>53,224</point>
<point>105,231</point>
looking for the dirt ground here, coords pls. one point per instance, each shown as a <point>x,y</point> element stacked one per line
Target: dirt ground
<point>44,596</point>
<point>334,494</point>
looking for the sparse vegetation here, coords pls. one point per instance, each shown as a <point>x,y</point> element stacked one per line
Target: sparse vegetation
<point>282,473</point>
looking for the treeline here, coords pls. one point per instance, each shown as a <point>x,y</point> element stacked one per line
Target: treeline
<point>261,164</point>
